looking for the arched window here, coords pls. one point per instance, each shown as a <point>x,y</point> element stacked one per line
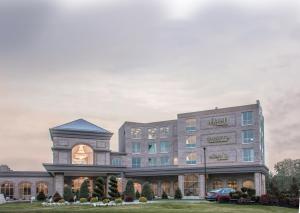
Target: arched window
<point>76,183</point>
<point>7,189</point>
<point>137,187</point>
<point>191,158</point>
<point>25,190</point>
<point>154,189</point>
<point>232,184</point>
<point>217,184</point>
<point>42,187</point>
<point>82,154</point>
<point>248,184</point>
<point>191,185</point>
<point>165,186</point>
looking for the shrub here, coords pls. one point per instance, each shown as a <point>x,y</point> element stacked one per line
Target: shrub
<point>129,191</point>
<point>83,200</point>
<point>251,192</point>
<point>244,201</point>
<point>118,201</point>
<point>94,200</point>
<point>99,188</point>
<point>68,194</point>
<point>56,197</point>
<point>255,199</point>
<point>264,200</point>
<point>178,194</point>
<point>224,199</point>
<point>143,200</point>
<point>84,190</point>
<point>129,199</point>
<point>164,195</point>
<point>106,200</point>
<point>61,201</point>
<point>113,187</point>
<point>147,191</point>
<point>294,202</point>
<point>244,195</point>
<point>244,189</point>
<point>137,194</point>
<point>41,196</point>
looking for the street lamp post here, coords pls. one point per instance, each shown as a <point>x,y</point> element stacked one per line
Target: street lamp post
<point>204,149</point>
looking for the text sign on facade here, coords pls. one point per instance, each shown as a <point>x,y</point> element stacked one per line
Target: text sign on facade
<point>218,122</point>
<point>218,139</point>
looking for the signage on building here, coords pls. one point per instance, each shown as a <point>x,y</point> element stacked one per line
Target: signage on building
<point>218,139</point>
<point>218,121</point>
<point>219,157</point>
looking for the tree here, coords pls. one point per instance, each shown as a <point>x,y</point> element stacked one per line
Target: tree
<point>113,187</point>
<point>147,191</point>
<point>129,190</point>
<point>84,190</point>
<point>294,189</point>
<point>178,194</point>
<point>99,188</point>
<point>164,195</point>
<point>41,196</point>
<point>137,194</point>
<point>68,194</point>
<point>56,197</point>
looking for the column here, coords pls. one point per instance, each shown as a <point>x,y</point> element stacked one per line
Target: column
<point>257,183</point>
<point>201,179</point>
<point>263,184</point>
<point>172,190</point>
<point>59,183</point>
<point>124,181</point>
<point>181,183</point>
<point>33,189</point>
<point>107,185</point>
<point>159,189</point>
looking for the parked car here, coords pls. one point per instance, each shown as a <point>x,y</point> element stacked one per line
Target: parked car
<point>215,194</point>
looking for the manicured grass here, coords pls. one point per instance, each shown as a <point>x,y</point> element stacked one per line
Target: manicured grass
<point>164,207</point>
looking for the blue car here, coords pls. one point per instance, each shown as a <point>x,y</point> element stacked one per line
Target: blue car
<point>215,194</point>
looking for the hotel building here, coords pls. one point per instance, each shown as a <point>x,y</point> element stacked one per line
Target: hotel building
<point>168,154</point>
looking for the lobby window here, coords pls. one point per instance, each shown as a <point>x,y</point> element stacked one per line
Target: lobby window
<point>248,136</point>
<point>164,146</point>
<point>42,187</point>
<point>25,190</point>
<point>232,184</point>
<point>82,154</point>
<point>248,155</point>
<point>165,161</point>
<point>76,183</point>
<point>217,184</point>
<point>116,162</point>
<point>154,188</point>
<point>136,162</point>
<point>152,162</point>
<point>164,132</point>
<point>247,118</point>
<point>248,184</point>
<point>136,133</point>
<point>190,125</point>
<point>190,141</point>
<point>7,189</point>
<point>152,133</point>
<point>191,185</point>
<point>191,158</point>
<point>151,148</point>
<point>166,187</point>
<point>136,148</point>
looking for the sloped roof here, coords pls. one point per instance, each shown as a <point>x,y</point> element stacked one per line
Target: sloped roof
<point>81,125</point>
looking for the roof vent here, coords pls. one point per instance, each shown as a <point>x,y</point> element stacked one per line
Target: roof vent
<point>216,107</point>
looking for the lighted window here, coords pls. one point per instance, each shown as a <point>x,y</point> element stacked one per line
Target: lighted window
<point>76,183</point>
<point>152,162</point>
<point>152,133</point>
<point>165,161</point>
<point>25,190</point>
<point>136,147</point>
<point>191,185</point>
<point>248,184</point>
<point>137,187</point>
<point>248,136</point>
<point>7,189</point>
<point>82,154</point>
<point>136,133</point>
<point>217,184</point>
<point>164,146</point>
<point>190,125</point>
<point>232,184</point>
<point>164,132</point>
<point>166,187</point>
<point>42,187</point>
<point>247,118</point>
<point>248,155</point>
<point>116,162</point>
<point>154,188</point>
<point>151,148</point>
<point>190,141</point>
<point>191,158</point>
<point>136,162</point>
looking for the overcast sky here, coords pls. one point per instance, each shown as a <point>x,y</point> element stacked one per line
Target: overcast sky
<point>112,61</point>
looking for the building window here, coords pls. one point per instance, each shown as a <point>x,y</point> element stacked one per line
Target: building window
<point>136,162</point>
<point>82,154</point>
<point>191,158</point>
<point>190,125</point>
<point>136,148</point>
<point>152,162</point>
<point>116,162</point>
<point>7,189</point>
<point>247,118</point>
<point>165,161</point>
<point>248,184</point>
<point>190,141</point>
<point>248,136</point>
<point>151,148</point>
<point>217,184</point>
<point>42,187</point>
<point>164,146</point>
<point>152,133</point>
<point>164,132</point>
<point>232,184</point>
<point>248,155</point>
<point>166,187</point>
<point>136,133</point>
<point>76,183</point>
<point>25,190</point>
<point>191,185</point>
<point>137,187</point>
<point>154,188</point>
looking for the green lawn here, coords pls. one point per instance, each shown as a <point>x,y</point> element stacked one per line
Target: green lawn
<point>164,207</point>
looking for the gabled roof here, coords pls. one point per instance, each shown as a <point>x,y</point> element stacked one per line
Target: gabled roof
<point>82,126</point>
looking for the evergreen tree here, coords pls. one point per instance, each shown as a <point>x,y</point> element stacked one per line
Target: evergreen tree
<point>129,190</point>
<point>164,195</point>
<point>137,194</point>
<point>178,194</point>
<point>84,190</point>
<point>147,191</point>
<point>41,196</point>
<point>99,188</point>
<point>113,187</point>
<point>68,194</point>
<point>294,189</point>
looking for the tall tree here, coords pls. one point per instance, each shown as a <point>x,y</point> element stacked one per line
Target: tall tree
<point>99,188</point>
<point>68,194</point>
<point>84,190</point>
<point>147,191</point>
<point>129,190</point>
<point>113,187</point>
